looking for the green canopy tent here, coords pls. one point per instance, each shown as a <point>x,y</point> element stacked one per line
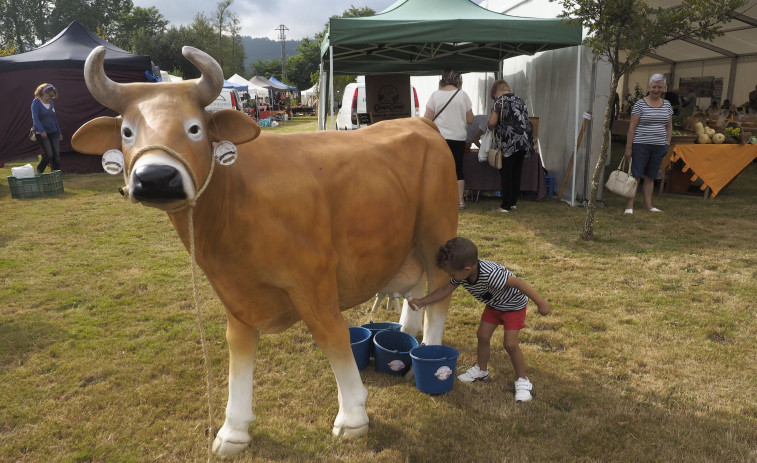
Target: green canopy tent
<point>423,37</point>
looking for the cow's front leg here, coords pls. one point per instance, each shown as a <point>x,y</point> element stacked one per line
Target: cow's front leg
<point>233,437</point>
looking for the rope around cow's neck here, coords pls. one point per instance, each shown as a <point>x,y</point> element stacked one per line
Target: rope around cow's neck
<point>190,205</point>
<point>209,387</point>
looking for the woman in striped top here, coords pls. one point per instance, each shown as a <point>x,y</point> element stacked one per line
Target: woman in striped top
<point>648,139</point>
<point>505,296</point>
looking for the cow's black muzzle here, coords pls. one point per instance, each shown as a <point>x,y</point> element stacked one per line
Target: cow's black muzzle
<point>158,183</point>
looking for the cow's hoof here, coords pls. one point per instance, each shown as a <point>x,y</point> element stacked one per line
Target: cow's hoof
<point>344,431</point>
<point>226,449</point>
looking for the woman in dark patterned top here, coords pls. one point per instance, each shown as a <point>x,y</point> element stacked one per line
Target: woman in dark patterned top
<point>648,139</point>
<point>513,134</point>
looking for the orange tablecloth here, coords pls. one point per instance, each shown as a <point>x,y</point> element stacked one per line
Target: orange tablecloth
<point>716,165</point>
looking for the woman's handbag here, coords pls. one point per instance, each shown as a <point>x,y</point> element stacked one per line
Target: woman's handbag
<point>495,158</point>
<point>486,143</point>
<point>32,134</point>
<point>621,182</point>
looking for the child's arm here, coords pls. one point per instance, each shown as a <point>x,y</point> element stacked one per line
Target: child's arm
<point>541,304</point>
<point>435,296</point>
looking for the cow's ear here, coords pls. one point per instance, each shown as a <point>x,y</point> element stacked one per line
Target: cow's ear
<point>232,125</point>
<point>98,136</point>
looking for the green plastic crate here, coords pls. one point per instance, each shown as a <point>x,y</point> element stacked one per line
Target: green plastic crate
<point>41,185</point>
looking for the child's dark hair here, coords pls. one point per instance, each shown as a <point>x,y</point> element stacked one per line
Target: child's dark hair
<point>457,254</point>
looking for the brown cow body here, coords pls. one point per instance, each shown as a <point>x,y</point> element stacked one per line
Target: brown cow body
<point>301,227</point>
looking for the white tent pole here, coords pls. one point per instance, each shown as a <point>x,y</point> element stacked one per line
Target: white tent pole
<point>578,118</point>
<point>331,85</point>
<point>321,98</point>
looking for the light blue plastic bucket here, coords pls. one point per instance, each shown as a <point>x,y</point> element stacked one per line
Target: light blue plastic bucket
<point>375,327</point>
<point>434,368</point>
<point>392,349</point>
<point>360,339</point>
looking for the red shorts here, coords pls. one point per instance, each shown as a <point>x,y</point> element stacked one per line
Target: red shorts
<point>511,320</point>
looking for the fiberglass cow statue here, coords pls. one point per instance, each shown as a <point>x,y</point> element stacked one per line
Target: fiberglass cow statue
<point>300,227</point>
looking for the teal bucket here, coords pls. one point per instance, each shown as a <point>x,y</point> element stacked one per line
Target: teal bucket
<point>360,340</point>
<point>392,350</point>
<point>434,368</point>
<point>375,327</point>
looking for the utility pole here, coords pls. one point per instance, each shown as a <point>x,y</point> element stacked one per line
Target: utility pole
<point>282,38</point>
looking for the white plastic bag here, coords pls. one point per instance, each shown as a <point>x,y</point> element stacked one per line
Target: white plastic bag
<point>26,171</point>
<point>486,143</point>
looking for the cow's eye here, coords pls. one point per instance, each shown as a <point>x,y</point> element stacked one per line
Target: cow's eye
<point>128,134</point>
<point>194,129</point>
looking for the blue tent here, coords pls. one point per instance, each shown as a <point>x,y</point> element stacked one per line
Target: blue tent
<point>277,83</point>
<point>241,88</point>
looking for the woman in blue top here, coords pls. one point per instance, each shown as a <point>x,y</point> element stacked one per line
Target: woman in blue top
<point>46,126</point>
<point>648,139</point>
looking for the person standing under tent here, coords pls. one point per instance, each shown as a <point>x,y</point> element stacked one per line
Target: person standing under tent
<point>753,100</point>
<point>648,139</point>
<point>451,109</point>
<point>514,136</point>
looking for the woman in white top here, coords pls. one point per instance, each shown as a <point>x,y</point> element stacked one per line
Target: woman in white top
<point>451,110</point>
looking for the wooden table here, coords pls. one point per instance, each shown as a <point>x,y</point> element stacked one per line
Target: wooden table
<point>715,165</point>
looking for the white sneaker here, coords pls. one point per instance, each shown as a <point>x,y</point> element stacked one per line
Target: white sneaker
<point>628,211</point>
<point>473,374</point>
<point>523,390</point>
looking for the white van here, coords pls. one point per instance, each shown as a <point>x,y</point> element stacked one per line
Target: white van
<point>353,103</point>
<point>228,99</point>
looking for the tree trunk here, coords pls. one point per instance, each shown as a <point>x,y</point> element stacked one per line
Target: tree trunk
<point>588,232</point>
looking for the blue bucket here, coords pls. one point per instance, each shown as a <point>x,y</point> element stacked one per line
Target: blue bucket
<point>360,339</point>
<point>375,327</point>
<point>392,350</point>
<point>434,368</point>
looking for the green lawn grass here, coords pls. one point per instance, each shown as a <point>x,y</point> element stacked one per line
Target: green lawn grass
<point>649,353</point>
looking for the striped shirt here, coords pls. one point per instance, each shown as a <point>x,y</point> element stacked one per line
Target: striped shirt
<point>490,288</point>
<point>652,128</point>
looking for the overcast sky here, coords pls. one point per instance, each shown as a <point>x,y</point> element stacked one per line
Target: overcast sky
<point>258,18</point>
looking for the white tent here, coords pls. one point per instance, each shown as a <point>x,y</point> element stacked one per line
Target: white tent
<point>260,92</point>
<point>310,96</point>
<point>729,62</point>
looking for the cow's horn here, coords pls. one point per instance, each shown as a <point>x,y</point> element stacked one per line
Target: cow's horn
<point>211,80</point>
<point>102,88</point>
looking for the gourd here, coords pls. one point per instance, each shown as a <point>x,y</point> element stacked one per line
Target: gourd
<point>703,139</point>
<point>710,132</point>
<point>698,128</point>
<point>718,138</point>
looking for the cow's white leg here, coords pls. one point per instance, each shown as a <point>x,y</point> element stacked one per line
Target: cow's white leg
<point>352,419</point>
<point>412,320</point>
<point>233,436</point>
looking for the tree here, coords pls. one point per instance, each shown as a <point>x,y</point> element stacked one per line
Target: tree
<point>624,31</point>
<point>21,22</point>
<point>137,28</point>
<point>102,14</point>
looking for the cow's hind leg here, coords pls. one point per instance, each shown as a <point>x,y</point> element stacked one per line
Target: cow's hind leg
<point>320,311</point>
<point>352,419</point>
<point>233,437</point>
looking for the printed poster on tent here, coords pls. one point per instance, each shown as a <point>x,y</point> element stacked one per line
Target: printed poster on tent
<point>388,96</point>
